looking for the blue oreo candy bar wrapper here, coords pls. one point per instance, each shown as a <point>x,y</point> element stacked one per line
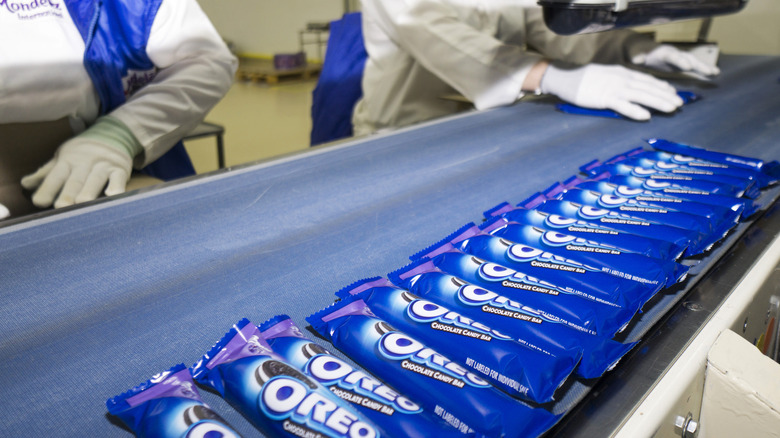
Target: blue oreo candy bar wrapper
<point>634,208</point>
<point>656,248</point>
<point>569,275</point>
<point>655,273</point>
<point>599,354</point>
<point>707,231</point>
<point>596,168</point>
<point>749,187</point>
<point>462,398</point>
<point>511,366</point>
<point>541,296</point>
<point>744,206</point>
<point>690,239</point>
<point>168,406</point>
<point>393,413</point>
<point>721,217</point>
<point>762,180</point>
<point>272,394</point>
<point>686,96</point>
<point>770,168</point>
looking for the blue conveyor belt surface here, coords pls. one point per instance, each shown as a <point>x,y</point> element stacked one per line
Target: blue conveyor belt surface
<point>97,299</point>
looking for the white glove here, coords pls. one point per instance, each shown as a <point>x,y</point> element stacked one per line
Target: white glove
<point>4,213</point>
<point>80,169</point>
<point>611,87</point>
<point>664,57</point>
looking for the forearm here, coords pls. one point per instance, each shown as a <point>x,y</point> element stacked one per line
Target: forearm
<point>179,97</point>
<point>600,47</point>
<point>533,81</point>
<point>457,53</point>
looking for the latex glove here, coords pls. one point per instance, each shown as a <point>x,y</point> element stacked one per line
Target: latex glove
<point>663,56</point>
<point>611,87</point>
<point>4,213</point>
<point>79,171</point>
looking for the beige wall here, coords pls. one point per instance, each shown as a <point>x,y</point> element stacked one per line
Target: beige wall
<point>266,27</point>
<point>753,30</point>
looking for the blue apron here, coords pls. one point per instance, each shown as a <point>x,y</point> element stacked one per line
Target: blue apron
<point>115,33</point>
<point>338,88</point>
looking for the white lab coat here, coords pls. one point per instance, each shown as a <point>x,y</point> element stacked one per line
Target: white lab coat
<point>421,50</point>
<point>42,77</point>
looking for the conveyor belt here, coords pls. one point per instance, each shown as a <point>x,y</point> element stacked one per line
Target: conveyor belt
<point>96,299</point>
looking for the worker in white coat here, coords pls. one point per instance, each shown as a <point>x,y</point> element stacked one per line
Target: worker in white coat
<point>495,51</point>
<point>91,89</point>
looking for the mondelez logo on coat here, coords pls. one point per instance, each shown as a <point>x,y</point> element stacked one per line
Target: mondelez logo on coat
<point>31,9</point>
<point>137,79</point>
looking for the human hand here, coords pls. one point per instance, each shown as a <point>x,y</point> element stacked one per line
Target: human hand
<point>664,57</point>
<point>79,171</point>
<point>611,87</point>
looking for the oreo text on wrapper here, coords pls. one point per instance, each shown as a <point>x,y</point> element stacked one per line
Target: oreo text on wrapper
<point>590,253</point>
<point>744,206</point>
<point>570,276</point>
<point>723,218</point>
<point>462,398</point>
<point>768,168</point>
<point>744,186</point>
<point>273,395</point>
<point>692,240</point>
<point>168,406</point>
<point>710,232</point>
<point>595,168</point>
<point>671,160</point>
<point>655,248</point>
<point>599,354</point>
<point>511,366</point>
<point>393,413</point>
<point>542,296</point>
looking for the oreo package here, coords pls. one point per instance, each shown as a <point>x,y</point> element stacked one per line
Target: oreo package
<point>599,354</point>
<point>571,276</point>
<point>718,215</point>
<point>273,395</point>
<point>673,161</point>
<point>692,240</point>
<point>168,405</point>
<point>542,296</point>
<point>768,168</point>
<point>671,189</point>
<point>637,209</point>
<point>656,248</point>
<point>509,365</point>
<point>710,232</point>
<point>692,181</point>
<point>451,391</point>
<point>392,412</point>
<point>596,256</point>
<point>750,188</point>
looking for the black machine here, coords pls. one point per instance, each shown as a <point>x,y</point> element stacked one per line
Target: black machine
<point>569,17</point>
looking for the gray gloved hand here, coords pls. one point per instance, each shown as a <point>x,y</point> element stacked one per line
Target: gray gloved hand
<point>665,57</point>
<point>611,87</point>
<point>78,172</point>
<point>4,213</point>
<point>100,157</point>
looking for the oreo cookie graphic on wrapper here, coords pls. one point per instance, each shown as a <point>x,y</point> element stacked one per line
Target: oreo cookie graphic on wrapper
<point>311,349</point>
<point>198,413</point>
<point>408,297</point>
<point>273,368</point>
<point>383,328</point>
